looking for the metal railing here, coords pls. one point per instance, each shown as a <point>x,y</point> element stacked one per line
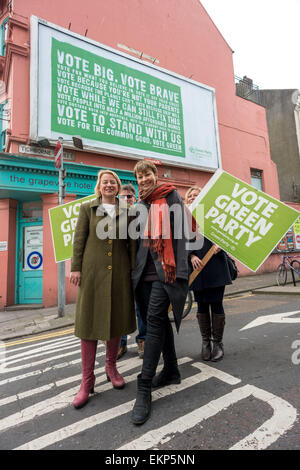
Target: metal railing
<point>245,88</point>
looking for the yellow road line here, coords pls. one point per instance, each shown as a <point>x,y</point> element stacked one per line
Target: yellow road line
<point>37,338</point>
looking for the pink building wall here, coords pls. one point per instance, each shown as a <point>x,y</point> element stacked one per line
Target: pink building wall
<point>182,38</point>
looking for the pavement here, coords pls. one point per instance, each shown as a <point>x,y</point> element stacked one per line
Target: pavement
<point>33,321</point>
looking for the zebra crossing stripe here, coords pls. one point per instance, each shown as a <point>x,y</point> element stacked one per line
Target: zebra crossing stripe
<point>95,420</point>
<point>282,420</point>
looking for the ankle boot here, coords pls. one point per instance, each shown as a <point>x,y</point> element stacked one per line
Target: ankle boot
<point>218,324</point>
<point>169,375</point>
<point>113,376</point>
<point>88,355</point>
<point>205,330</point>
<point>142,407</point>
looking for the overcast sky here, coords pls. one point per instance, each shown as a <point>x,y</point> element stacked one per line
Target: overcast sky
<point>265,37</point>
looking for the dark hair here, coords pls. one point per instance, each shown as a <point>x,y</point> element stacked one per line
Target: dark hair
<point>144,165</point>
<point>129,187</point>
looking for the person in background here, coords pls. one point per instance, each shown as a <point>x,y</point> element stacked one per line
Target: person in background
<point>160,277</point>
<point>101,266</point>
<point>208,288</point>
<point>128,195</point>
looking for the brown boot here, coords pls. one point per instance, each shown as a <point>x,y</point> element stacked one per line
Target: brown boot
<point>205,329</point>
<point>218,325</point>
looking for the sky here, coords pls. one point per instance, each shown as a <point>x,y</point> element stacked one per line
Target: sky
<point>265,37</point>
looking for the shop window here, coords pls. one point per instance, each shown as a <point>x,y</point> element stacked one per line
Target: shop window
<point>256,179</point>
<point>32,210</point>
<point>3,32</point>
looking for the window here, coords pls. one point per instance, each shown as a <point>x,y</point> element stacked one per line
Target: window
<point>3,125</point>
<point>3,38</point>
<point>256,179</point>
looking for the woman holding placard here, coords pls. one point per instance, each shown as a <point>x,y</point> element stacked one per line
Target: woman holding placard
<point>208,288</point>
<point>103,259</point>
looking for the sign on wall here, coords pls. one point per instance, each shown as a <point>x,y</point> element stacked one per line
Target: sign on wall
<point>244,221</point>
<point>118,104</point>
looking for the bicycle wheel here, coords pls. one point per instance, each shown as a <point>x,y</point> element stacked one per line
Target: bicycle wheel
<point>281,275</point>
<point>187,307</point>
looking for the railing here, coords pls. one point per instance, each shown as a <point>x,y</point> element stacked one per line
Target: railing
<point>245,88</point>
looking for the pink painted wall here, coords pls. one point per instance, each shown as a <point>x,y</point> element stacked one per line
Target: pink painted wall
<point>183,39</point>
<point>8,209</point>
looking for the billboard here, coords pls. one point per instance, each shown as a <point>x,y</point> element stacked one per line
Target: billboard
<point>118,104</point>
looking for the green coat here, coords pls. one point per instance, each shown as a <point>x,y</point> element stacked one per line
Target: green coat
<point>105,305</point>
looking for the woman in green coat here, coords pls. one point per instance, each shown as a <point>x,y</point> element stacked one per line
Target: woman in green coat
<point>103,258</point>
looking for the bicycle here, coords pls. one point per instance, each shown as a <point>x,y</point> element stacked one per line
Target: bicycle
<point>282,270</point>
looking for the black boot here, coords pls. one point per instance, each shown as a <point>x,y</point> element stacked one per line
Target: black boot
<point>205,330</point>
<point>168,376</point>
<point>142,407</point>
<point>218,324</point>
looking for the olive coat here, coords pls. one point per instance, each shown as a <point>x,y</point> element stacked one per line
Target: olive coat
<point>105,304</point>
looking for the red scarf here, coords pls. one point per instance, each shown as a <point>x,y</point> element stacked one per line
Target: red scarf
<point>158,236</point>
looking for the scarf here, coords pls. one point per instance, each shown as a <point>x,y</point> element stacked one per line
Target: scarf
<point>158,236</point>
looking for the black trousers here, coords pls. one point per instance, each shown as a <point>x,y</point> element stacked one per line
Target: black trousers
<point>154,303</point>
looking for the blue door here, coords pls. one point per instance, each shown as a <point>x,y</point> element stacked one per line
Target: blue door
<point>30,254</point>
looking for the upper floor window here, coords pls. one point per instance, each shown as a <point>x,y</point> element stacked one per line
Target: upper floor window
<point>256,179</point>
<point>3,36</point>
<point>3,125</point>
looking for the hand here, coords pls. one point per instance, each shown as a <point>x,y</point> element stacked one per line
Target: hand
<point>75,278</point>
<point>196,262</point>
<point>216,249</point>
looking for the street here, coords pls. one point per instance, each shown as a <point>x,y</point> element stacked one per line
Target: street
<point>250,400</point>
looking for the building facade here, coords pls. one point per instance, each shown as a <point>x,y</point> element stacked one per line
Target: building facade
<point>179,46</point>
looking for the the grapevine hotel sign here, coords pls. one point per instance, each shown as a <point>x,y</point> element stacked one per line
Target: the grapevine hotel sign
<point>118,104</point>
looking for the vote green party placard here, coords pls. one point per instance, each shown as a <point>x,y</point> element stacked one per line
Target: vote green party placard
<point>63,220</point>
<point>243,221</point>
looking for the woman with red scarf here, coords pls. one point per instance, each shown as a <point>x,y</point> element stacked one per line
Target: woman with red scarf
<point>160,278</point>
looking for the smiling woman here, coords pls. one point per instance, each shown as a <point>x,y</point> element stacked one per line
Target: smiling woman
<point>101,268</point>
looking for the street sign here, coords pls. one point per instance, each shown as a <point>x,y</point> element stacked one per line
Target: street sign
<point>58,155</point>
<point>244,221</point>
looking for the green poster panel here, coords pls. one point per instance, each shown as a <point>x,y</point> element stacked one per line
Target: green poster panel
<point>63,220</point>
<point>244,221</point>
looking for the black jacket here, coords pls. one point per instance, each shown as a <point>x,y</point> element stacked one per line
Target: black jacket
<point>215,273</point>
<point>178,290</point>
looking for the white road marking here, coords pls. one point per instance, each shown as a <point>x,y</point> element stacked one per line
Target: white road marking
<point>282,420</point>
<point>123,367</point>
<point>47,369</point>
<point>43,352</point>
<point>42,343</point>
<point>90,422</point>
<point>274,318</point>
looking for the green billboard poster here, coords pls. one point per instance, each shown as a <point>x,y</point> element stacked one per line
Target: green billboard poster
<point>107,101</point>
<point>244,221</point>
<point>63,220</point>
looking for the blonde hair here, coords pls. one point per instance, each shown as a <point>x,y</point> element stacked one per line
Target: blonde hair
<point>143,165</point>
<point>104,172</point>
<point>192,188</point>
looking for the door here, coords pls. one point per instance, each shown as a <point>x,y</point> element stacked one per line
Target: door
<point>30,254</point>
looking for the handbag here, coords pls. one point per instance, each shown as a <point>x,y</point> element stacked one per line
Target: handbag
<point>232,267</point>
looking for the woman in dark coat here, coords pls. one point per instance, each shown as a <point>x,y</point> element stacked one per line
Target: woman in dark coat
<point>102,262</point>
<point>160,278</point>
<point>208,288</point>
